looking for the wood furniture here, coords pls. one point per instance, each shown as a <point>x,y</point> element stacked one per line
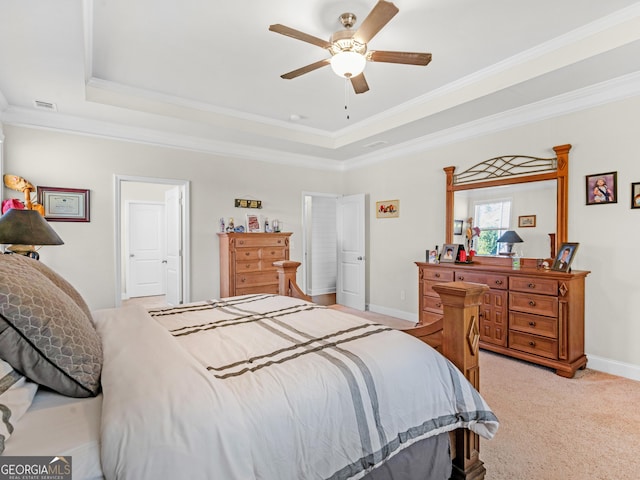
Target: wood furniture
<point>246,262</point>
<point>458,340</point>
<point>513,170</point>
<point>531,314</point>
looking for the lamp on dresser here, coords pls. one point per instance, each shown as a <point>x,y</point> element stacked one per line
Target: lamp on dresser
<point>509,237</point>
<point>22,229</point>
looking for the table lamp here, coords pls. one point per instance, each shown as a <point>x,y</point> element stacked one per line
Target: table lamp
<point>25,228</point>
<point>509,237</point>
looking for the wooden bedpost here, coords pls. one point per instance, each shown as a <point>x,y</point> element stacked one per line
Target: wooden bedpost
<point>461,336</point>
<point>287,279</point>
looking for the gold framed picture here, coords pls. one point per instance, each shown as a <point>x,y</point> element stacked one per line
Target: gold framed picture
<point>388,209</point>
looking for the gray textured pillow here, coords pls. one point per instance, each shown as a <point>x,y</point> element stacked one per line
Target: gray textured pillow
<point>44,334</point>
<point>57,280</point>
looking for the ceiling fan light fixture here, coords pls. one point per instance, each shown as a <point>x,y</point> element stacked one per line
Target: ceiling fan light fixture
<point>348,64</point>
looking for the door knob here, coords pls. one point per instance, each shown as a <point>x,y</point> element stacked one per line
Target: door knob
<point>360,258</point>
<point>164,261</point>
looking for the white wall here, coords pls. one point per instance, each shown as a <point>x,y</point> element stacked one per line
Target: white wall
<point>88,256</point>
<point>604,139</point>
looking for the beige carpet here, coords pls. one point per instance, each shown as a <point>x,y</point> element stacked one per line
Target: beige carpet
<point>551,427</point>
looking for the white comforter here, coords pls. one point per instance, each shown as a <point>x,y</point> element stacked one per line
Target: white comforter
<point>270,388</point>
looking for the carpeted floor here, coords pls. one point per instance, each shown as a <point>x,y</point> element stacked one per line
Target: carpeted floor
<point>584,428</point>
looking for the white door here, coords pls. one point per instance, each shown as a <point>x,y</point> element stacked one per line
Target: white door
<point>146,249</point>
<point>173,209</point>
<point>350,288</point>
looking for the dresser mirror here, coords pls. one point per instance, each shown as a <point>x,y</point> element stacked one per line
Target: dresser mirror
<point>533,186</point>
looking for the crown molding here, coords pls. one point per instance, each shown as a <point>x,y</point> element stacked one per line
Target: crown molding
<point>24,117</point>
<point>610,91</point>
<point>588,97</point>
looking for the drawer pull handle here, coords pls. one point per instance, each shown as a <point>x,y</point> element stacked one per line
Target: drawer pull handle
<point>247,254</point>
<point>498,282</point>
<point>437,275</point>
<point>461,278</point>
<point>438,305</point>
<point>532,303</point>
<point>248,265</point>
<point>532,324</point>
<point>532,285</point>
<point>242,280</point>
<point>532,344</point>
<point>272,252</point>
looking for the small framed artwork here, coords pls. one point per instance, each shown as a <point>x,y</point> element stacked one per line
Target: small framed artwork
<point>457,227</point>
<point>525,221</point>
<point>602,188</point>
<point>64,204</point>
<point>253,224</point>
<point>388,209</point>
<point>635,195</point>
<point>566,254</point>
<point>449,253</point>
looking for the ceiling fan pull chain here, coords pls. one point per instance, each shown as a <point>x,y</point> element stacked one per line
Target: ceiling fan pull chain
<point>346,97</point>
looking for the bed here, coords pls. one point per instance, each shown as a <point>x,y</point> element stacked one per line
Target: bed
<point>260,386</point>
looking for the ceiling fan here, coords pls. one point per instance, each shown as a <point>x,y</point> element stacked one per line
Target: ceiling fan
<point>348,48</point>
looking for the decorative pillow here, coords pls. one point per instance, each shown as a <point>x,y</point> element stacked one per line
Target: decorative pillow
<point>44,334</point>
<point>58,281</point>
<point>16,395</point>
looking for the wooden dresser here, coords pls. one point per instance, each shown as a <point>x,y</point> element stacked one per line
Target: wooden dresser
<point>530,314</point>
<point>246,262</point>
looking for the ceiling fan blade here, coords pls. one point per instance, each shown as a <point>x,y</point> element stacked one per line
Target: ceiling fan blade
<point>359,83</point>
<point>306,69</point>
<point>409,58</point>
<point>298,35</point>
<point>377,18</point>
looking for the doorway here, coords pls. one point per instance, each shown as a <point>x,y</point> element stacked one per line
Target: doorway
<point>157,262</point>
<point>334,249</point>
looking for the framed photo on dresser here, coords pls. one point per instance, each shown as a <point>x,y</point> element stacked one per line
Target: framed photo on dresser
<point>449,253</point>
<point>565,257</point>
<point>253,224</point>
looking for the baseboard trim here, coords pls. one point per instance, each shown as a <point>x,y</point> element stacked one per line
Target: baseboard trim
<point>391,312</point>
<point>614,367</point>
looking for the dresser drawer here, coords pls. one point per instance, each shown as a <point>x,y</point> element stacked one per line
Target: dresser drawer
<point>273,253</point>
<point>542,286</point>
<point>536,304</point>
<point>432,303</point>
<point>260,240</point>
<point>247,254</point>
<point>248,266</point>
<point>535,324</point>
<point>544,347</point>
<point>439,274</point>
<point>493,280</point>
<point>258,278</point>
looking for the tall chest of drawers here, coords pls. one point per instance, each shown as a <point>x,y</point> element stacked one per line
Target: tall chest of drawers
<point>246,262</point>
<point>530,314</point>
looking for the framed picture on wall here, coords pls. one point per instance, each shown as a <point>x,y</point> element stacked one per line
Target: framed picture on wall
<point>635,195</point>
<point>526,221</point>
<point>602,188</point>
<point>64,204</point>
<point>457,227</point>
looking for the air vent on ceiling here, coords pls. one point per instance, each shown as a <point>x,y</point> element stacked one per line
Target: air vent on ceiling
<point>45,105</point>
<point>377,144</point>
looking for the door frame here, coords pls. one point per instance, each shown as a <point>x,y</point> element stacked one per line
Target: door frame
<point>306,220</point>
<point>186,230</point>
